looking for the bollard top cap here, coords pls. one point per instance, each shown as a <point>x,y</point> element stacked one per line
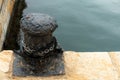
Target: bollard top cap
<point>38,24</point>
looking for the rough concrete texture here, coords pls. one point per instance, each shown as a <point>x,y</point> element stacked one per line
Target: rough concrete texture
<point>78,66</point>
<point>5,56</point>
<point>6,8</point>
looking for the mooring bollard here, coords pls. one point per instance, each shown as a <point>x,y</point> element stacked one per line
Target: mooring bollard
<point>39,54</point>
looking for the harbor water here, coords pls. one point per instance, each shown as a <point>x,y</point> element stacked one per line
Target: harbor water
<point>84,25</point>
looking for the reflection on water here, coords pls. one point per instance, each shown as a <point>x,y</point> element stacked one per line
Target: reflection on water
<point>84,25</point>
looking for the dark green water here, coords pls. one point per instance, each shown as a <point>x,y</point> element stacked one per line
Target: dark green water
<point>84,25</point>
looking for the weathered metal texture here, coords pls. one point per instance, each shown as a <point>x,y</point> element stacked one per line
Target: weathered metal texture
<point>40,54</point>
<point>53,65</point>
<point>6,8</point>
<point>38,24</point>
<point>36,32</point>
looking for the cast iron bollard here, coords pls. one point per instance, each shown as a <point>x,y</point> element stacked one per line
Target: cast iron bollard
<point>39,54</point>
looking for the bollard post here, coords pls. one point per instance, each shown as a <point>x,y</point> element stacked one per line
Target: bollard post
<point>39,54</point>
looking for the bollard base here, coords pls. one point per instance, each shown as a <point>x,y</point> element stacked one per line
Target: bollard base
<point>53,65</point>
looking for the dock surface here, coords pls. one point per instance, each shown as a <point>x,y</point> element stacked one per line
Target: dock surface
<point>78,66</point>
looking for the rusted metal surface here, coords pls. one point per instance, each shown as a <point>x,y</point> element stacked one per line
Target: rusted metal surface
<point>39,54</point>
